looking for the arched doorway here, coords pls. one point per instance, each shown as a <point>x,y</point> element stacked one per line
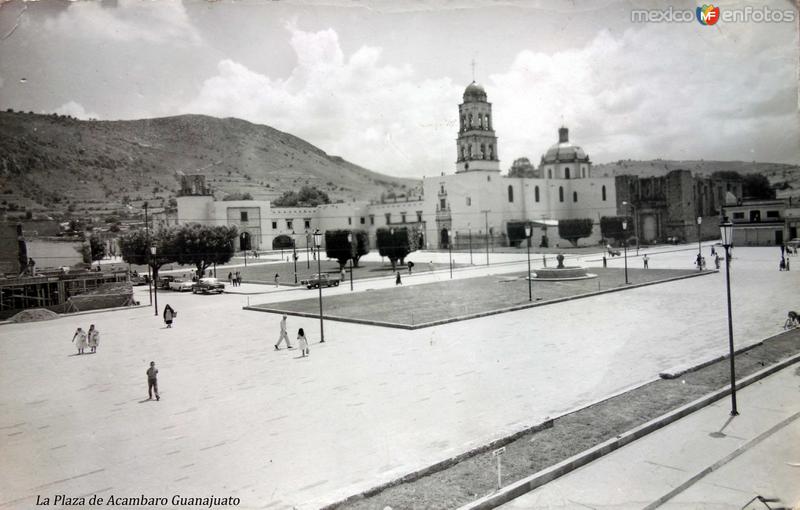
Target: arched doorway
<point>444,239</point>
<point>649,229</point>
<point>282,242</point>
<point>244,241</point>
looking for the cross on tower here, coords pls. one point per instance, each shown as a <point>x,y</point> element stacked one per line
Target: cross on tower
<point>473,69</point>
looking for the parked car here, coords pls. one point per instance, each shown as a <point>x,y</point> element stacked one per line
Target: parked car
<point>139,279</point>
<point>181,284</point>
<point>318,280</point>
<point>208,285</point>
<point>164,281</point>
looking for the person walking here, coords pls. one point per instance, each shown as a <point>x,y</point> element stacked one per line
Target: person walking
<point>699,262</point>
<point>410,266</point>
<point>230,278</point>
<point>713,251</point>
<point>283,336</point>
<point>238,279</point>
<point>302,342</point>
<point>80,340</point>
<point>277,280</point>
<point>94,338</point>
<point>169,315</point>
<point>343,275</point>
<point>646,261</point>
<point>605,261</point>
<point>717,260</point>
<point>397,280</point>
<point>152,381</point>
<point>430,266</point>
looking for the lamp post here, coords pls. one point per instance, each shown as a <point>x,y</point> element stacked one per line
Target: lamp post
<point>726,231</point>
<point>699,245</point>
<point>153,251</point>
<point>147,242</point>
<point>625,247</point>
<point>450,250</point>
<point>469,227</point>
<point>528,238</point>
<point>486,218</point>
<point>294,256</point>
<point>635,224</point>
<point>308,243</point>
<point>350,241</point>
<point>317,244</point>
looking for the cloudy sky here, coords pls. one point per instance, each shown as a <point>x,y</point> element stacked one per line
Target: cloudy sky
<point>378,82</point>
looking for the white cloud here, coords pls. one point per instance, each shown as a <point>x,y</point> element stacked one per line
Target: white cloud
<point>622,96</point>
<point>76,110</point>
<point>129,20</point>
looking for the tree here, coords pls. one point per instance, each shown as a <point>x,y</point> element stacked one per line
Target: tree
<point>516,232</point>
<point>135,248</point>
<point>522,167</point>
<point>396,243</point>
<point>308,196</point>
<point>203,245</point>
<point>575,229</point>
<point>611,227</point>
<point>235,196</point>
<point>97,248</point>
<point>338,247</point>
<point>757,186</point>
<point>730,175</point>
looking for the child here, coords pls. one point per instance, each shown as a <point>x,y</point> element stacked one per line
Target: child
<point>169,315</point>
<point>80,343</point>
<point>303,342</point>
<point>94,338</point>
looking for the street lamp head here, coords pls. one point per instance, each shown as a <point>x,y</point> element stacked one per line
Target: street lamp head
<point>317,238</point>
<point>699,220</point>
<point>726,232</point>
<point>624,225</point>
<point>527,230</point>
<point>349,237</point>
<point>153,249</point>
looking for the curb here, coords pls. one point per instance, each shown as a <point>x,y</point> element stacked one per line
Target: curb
<point>477,315</point>
<point>531,482</point>
<point>442,465</point>
<point>85,312</point>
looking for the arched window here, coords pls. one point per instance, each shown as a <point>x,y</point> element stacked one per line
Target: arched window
<point>483,151</point>
<point>583,172</point>
<point>549,173</point>
<point>536,193</point>
<point>561,193</point>
<point>510,194</point>
<point>469,151</point>
<point>469,120</point>
<point>463,123</point>
<point>486,122</point>
<point>463,152</point>
<point>480,121</point>
<point>491,151</point>
<point>574,196</point>
<point>566,173</point>
<point>604,192</point>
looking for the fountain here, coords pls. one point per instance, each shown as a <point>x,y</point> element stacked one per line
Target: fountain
<point>562,272</point>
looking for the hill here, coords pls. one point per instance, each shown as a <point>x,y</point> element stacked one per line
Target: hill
<point>56,163</point>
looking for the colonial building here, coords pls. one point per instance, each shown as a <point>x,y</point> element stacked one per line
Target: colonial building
<point>478,204</point>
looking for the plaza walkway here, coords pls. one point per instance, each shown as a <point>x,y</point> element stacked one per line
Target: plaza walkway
<point>371,404</point>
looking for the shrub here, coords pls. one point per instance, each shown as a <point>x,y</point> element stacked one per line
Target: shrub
<point>575,229</point>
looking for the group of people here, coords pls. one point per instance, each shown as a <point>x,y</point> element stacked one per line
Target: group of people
<point>785,252</point>
<point>235,279</point>
<point>90,338</point>
<point>302,341</point>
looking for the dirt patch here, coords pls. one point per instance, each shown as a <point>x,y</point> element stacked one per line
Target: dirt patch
<point>34,315</point>
<point>573,433</point>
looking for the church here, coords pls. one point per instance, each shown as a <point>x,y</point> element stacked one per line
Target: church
<point>476,204</point>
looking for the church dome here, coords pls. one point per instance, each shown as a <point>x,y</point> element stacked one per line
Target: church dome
<point>564,150</point>
<point>474,93</point>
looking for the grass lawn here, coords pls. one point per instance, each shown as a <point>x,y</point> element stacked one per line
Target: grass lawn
<point>432,302</point>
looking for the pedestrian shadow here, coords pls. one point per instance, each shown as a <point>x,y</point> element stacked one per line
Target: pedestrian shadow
<point>719,433</point>
<point>145,400</point>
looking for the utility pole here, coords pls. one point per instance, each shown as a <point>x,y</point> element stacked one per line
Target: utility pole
<point>486,218</point>
<point>147,247</point>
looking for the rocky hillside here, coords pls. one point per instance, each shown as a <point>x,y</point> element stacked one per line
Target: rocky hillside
<point>53,163</point>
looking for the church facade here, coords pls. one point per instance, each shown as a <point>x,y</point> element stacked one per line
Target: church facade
<point>477,204</point>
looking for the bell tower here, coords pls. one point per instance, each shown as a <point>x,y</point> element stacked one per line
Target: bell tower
<point>476,143</point>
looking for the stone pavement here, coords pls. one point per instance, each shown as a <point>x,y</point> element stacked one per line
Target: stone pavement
<point>756,453</point>
<point>369,405</point>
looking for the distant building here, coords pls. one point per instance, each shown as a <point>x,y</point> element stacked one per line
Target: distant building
<point>762,223</point>
<point>668,206</point>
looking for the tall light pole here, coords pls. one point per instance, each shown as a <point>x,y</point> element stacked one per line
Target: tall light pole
<point>486,218</point>
<point>635,223</point>
<point>528,237</point>
<point>308,243</point>
<point>625,247</point>
<point>153,251</point>
<point>450,250</point>
<point>699,244</point>
<point>294,256</point>
<point>469,227</point>
<point>317,244</point>
<point>350,241</point>
<point>726,231</point>
<point>147,243</point>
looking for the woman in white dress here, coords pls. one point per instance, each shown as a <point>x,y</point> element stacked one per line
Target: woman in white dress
<point>80,340</point>
<point>94,338</point>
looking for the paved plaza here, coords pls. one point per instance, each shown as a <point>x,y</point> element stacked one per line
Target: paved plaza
<point>237,418</point>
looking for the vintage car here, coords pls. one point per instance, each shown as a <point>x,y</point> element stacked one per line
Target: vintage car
<point>138,279</point>
<point>181,284</point>
<point>320,280</point>
<point>208,285</point>
<point>164,281</point>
